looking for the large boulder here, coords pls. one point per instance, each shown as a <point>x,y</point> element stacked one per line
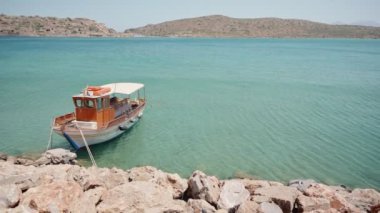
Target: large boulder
<point>248,206</point>
<point>200,206</point>
<point>364,198</point>
<point>57,196</point>
<point>9,196</point>
<point>307,204</point>
<point>337,201</point>
<point>138,196</point>
<point>173,182</point>
<point>56,156</point>
<point>89,200</point>
<point>283,196</point>
<point>233,193</point>
<point>300,184</point>
<point>252,185</point>
<point>204,187</point>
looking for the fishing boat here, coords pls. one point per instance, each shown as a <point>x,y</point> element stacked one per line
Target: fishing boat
<point>101,113</point>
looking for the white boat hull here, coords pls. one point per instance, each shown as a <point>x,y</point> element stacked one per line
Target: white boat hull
<point>92,137</point>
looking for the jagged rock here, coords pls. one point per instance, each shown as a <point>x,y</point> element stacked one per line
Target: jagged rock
<point>56,156</point>
<point>23,161</point>
<point>233,193</point>
<point>364,198</point>
<point>301,185</point>
<point>173,182</point>
<point>260,199</point>
<point>252,185</point>
<point>307,204</point>
<point>9,196</point>
<point>137,196</point>
<point>248,206</point>
<point>337,201</point>
<point>57,196</point>
<point>274,183</point>
<point>282,195</point>
<point>87,203</point>
<point>3,156</point>
<point>268,207</point>
<point>204,187</point>
<point>11,159</point>
<point>200,206</point>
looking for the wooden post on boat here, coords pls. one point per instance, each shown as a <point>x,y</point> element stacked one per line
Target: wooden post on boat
<point>87,147</point>
<point>50,143</point>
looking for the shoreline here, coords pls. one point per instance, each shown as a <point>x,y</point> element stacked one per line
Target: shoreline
<point>34,185</point>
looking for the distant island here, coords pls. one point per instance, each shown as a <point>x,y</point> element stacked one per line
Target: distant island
<point>206,26</point>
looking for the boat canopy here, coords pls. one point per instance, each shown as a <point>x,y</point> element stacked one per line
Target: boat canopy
<point>120,88</point>
<point>123,88</point>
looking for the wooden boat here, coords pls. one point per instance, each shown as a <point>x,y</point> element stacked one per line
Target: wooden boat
<point>101,113</point>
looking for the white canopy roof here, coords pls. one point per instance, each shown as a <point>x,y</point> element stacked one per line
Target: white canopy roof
<point>121,88</point>
<point>124,88</point>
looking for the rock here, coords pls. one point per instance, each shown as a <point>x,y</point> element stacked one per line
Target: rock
<point>307,204</point>
<point>23,161</point>
<point>204,187</point>
<point>364,198</point>
<point>252,185</point>
<point>274,183</point>
<point>300,184</point>
<point>200,206</point>
<point>3,156</point>
<point>260,199</point>
<point>57,196</point>
<point>56,156</point>
<point>87,203</point>
<point>11,159</point>
<point>138,196</point>
<point>283,196</point>
<point>248,206</point>
<point>173,182</point>
<point>337,201</point>
<point>267,207</point>
<point>233,193</point>
<point>9,196</point>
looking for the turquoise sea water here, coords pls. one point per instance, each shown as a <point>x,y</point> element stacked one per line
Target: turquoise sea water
<point>272,108</point>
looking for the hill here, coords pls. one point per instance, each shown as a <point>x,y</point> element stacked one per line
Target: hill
<point>222,26</point>
<point>51,26</point>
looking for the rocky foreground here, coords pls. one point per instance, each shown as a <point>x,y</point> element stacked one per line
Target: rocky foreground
<point>54,183</point>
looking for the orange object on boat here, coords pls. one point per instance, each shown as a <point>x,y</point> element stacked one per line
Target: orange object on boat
<point>102,91</point>
<point>94,88</point>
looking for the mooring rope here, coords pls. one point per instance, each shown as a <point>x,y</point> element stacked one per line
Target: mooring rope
<point>88,148</point>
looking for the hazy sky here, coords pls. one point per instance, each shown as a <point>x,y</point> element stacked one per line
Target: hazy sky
<point>122,14</point>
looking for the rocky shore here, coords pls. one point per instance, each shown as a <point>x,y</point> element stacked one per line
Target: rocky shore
<point>55,183</point>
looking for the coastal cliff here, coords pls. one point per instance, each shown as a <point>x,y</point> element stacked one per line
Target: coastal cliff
<point>223,26</point>
<point>54,183</point>
<point>51,26</point>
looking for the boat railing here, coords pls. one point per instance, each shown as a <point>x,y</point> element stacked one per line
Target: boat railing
<point>61,120</point>
<point>130,114</point>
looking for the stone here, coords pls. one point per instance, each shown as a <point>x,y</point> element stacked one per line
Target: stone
<point>300,184</point>
<point>173,182</point>
<point>337,201</point>
<point>57,196</point>
<point>138,196</point>
<point>56,156</point>
<point>10,196</point>
<point>3,156</point>
<point>260,199</point>
<point>364,198</point>
<point>283,196</point>
<point>252,185</point>
<point>248,206</point>
<point>204,187</point>
<point>233,193</point>
<point>268,207</point>
<point>23,161</point>
<point>307,204</point>
<point>200,206</point>
<point>89,200</point>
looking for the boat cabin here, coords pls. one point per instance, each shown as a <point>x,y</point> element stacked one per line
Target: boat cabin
<point>96,107</point>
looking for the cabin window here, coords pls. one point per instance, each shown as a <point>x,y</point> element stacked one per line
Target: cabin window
<point>78,103</point>
<point>89,103</point>
<point>99,102</point>
<point>106,102</point>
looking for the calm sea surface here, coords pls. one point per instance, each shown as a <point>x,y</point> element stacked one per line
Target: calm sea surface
<point>272,108</point>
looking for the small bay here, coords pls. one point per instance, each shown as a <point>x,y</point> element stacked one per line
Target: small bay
<point>276,109</point>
